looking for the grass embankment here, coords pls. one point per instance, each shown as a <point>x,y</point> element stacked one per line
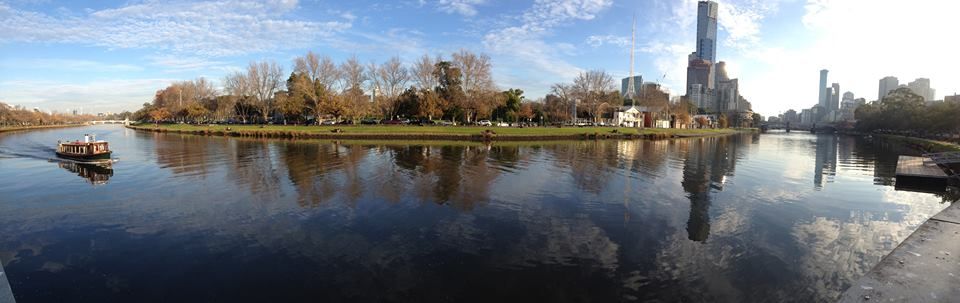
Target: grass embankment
<point>18,128</point>
<point>925,145</point>
<point>410,132</point>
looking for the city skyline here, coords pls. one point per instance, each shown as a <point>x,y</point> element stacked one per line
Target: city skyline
<point>115,56</point>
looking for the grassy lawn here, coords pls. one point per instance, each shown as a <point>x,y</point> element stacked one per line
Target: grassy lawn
<point>441,130</point>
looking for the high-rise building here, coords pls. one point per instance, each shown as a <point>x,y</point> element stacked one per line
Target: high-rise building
<point>727,91</point>
<point>826,112</point>
<point>707,31</point>
<point>700,82</point>
<point>822,97</point>
<point>835,97</point>
<point>806,116</point>
<point>790,116</point>
<point>887,85</point>
<point>954,98</point>
<point>848,96</point>
<point>921,87</point>
<point>625,84</point>
<point>700,70</point>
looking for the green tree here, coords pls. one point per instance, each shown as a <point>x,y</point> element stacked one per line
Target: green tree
<point>196,112</point>
<point>508,111</point>
<point>450,89</point>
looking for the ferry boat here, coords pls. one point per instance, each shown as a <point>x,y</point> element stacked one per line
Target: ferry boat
<point>87,150</point>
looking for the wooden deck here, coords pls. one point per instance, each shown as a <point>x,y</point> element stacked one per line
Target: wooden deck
<point>919,167</point>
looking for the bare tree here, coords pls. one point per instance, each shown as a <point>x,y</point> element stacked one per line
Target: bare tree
<point>352,78</point>
<point>477,80</point>
<point>308,65</point>
<point>203,89</point>
<point>422,72</point>
<point>592,88</point>
<point>327,73</point>
<point>391,77</point>
<point>562,105</point>
<point>236,84</point>
<point>266,78</point>
<point>317,68</point>
<point>475,70</point>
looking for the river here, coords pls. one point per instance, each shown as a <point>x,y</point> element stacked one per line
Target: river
<point>744,218</point>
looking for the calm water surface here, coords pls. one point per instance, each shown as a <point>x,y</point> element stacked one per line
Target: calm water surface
<point>747,218</point>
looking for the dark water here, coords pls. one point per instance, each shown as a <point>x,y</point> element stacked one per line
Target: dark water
<point>747,218</point>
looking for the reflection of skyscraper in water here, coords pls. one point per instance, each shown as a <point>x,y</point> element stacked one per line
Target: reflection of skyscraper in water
<point>826,160</point>
<point>706,166</point>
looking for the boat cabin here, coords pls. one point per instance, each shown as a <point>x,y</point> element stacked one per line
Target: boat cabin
<point>89,148</point>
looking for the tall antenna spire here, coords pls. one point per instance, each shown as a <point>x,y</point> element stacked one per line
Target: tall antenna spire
<point>631,88</point>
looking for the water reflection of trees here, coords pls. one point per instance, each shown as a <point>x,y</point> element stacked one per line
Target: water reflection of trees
<point>460,175</point>
<point>187,154</point>
<point>312,167</point>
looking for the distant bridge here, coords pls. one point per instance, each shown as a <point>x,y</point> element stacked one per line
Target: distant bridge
<point>124,122</point>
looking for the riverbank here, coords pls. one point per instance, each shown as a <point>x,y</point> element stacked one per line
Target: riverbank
<point>924,145</point>
<point>924,268</point>
<point>452,133</point>
<point>20,128</point>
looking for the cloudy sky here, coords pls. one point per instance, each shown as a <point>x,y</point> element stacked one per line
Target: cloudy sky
<point>105,56</point>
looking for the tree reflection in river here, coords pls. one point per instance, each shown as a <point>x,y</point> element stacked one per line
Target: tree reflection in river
<point>703,219</point>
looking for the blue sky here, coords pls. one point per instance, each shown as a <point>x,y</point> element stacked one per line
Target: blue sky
<point>111,56</point>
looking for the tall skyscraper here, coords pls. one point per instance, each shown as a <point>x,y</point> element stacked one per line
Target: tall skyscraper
<point>921,87</point>
<point>887,85</point>
<point>700,70</point>
<point>822,100</point>
<point>699,83</point>
<point>707,31</point>
<point>848,96</point>
<point>625,86</point>
<point>835,97</point>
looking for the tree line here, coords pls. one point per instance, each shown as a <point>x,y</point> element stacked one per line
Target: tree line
<point>905,112</point>
<point>460,88</point>
<point>21,116</point>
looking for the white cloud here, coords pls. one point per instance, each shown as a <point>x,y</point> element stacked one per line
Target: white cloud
<point>598,41</point>
<point>524,45</point>
<point>462,7</point>
<point>113,95</point>
<point>859,41</point>
<point>219,28</point>
<point>175,64</point>
<point>670,60</point>
<point>66,65</point>
<point>739,20</point>
<point>742,20</point>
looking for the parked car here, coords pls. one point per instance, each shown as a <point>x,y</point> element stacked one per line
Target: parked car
<point>346,122</point>
<point>447,123</point>
<point>503,124</point>
<point>368,121</point>
<point>391,122</point>
<point>329,122</point>
<point>484,123</point>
